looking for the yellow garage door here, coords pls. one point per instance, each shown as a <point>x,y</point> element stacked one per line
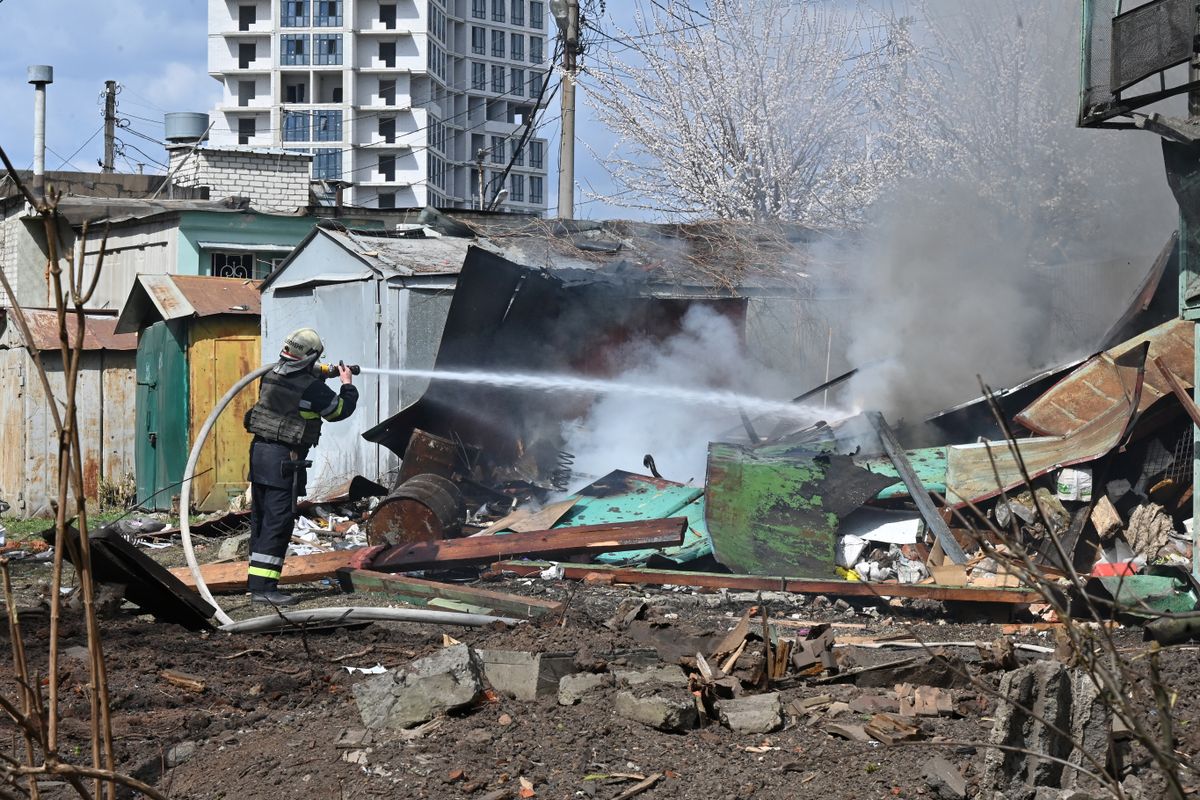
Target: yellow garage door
<point>221,350</point>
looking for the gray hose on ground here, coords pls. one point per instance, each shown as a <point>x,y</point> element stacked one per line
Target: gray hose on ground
<point>287,619</point>
<point>185,492</point>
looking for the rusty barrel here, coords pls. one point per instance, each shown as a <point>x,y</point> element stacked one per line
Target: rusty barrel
<point>427,454</point>
<point>424,508</point>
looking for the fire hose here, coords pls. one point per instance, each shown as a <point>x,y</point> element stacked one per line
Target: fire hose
<point>185,491</point>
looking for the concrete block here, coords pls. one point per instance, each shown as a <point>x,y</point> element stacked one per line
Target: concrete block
<point>760,713</point>
<point>1067,700</point>
<point>944,779</point>
<point>522,675</point>
<point>403,698</point>
<point>232,547</point>
<point>668,674</point>
<point>573,688</point>
<point>666,708</point>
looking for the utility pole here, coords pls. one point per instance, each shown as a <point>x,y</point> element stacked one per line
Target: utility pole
<point>110,125</point>
<point>479,156</point>
<point>566,14</point>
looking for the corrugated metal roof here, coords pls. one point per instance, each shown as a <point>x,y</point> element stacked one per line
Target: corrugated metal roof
<point>1099,385</point>
<point>99,332</point>
<point>211,296</point>
<point>155,297</point>
<point>715,258</point>
<point>430,254</point>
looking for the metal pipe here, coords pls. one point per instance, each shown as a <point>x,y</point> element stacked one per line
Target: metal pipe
<point>287,619</point>
<point>39,75</point>
<point>185,492</point>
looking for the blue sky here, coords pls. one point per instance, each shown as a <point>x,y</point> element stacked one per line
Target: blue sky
<point>157,51</point>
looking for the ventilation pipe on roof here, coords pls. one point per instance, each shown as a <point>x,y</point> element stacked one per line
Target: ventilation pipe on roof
<point>40,75</point>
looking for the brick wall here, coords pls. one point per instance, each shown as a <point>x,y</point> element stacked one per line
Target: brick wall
<point>274,181</point>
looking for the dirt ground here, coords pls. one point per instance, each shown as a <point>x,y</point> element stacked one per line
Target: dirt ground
<point>274,706</point>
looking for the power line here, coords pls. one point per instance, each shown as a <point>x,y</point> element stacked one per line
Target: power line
<point>67,160</point>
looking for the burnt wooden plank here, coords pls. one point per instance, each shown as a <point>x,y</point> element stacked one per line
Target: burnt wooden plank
<point>421,591</point>
<point>545,544</point>
<point>148,585</point>
<point>716,580</point>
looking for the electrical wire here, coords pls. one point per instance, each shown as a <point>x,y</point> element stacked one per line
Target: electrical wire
<point>67,160</point>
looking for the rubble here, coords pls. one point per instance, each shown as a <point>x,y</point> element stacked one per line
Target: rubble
<point>1041,700</point>
<point>944,779</point>
<point>760,713</point>
<point>573,688</point>
<point>662,707</point>
<point>525,676</point>
<point>450,679</point>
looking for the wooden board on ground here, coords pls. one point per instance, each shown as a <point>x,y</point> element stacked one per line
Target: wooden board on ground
<point>523,520</point>
<point>297,569</point>
<point>422,592</point>
<point>454,552</point>
<point>715,580</point>
<point>148,585</point>
<point>585,539</point>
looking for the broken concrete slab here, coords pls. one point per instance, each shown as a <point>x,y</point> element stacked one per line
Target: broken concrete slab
<point>523,675</point>
<point>658,706</point>
<point>403,698</point>
<point>761,713</point>
<point>668,674</point>
<point>1038,701</point>
<point>944,779</point>
<point>234,547</point>
<point>573,688</point>
<point>1149,531</point>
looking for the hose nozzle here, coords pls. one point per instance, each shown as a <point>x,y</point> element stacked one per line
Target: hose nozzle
<point>327,371</point>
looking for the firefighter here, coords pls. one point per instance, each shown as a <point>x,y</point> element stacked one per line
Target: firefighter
<point>286,422</point>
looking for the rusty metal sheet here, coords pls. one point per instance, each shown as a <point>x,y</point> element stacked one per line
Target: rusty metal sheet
<point>118,386</point>
<point>971,470</point>
<point>167,297</point>
<point>98,332</point>
<point>210,296</point>
<point>1098,387</point>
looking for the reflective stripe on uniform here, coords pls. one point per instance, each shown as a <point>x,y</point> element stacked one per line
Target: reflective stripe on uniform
<point>337,411</point>
<point>262,572</point>
<point>309,415</point>
<point>266,559</point>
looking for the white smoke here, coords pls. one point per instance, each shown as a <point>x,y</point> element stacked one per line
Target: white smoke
<point>706,353</point>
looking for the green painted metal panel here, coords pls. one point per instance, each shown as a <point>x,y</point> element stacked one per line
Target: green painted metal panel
<point>624,496</point>
<point>248,228</point>
<point>161,449</point>
<point>1148,595</point>
<point>696,542</point>
<point>764,510</point>
<point>929,463</point>
<point>778,514</point>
